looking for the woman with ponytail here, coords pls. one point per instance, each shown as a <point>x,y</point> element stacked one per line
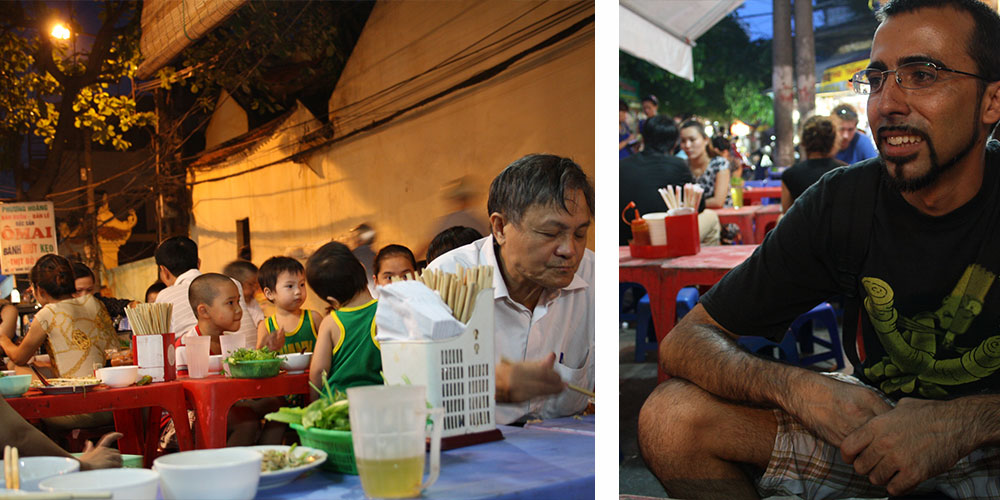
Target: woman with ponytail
<point>76,331</point>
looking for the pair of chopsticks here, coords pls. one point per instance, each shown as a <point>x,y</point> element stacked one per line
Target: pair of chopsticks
<point>688,195</point>
<point>458,290</point>
<point>581,390</point>
<point>11,470</point>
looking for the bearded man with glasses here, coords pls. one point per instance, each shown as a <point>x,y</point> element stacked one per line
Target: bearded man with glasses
<point>912,239</point>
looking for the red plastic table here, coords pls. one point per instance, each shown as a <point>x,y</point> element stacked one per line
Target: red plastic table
<point>742,217</point>
<point>126,403</point>
<point>213,396</point>
<point>752,196</point>
<point>765,220</point>
<point>663,278</point>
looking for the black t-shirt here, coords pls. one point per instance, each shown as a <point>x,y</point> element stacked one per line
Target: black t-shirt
<point>639,178</point>
<point>931,305</point>
<point>805,173</point>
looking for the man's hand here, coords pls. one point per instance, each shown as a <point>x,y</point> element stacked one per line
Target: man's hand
<point>917,440</point>
<point>832,409</point>
<point>518,382</point>
<point>101,456</point>
<point>274,340</point>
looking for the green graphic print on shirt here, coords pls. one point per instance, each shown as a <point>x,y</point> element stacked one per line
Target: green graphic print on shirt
<point>913,344</point>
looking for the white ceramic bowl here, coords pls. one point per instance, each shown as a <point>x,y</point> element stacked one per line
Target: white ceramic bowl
<point>118,376</point>
<point>215,363</point>
<point>124,484</point>
<point>217,474</point>
<point>295,362</point>
<point>36,469</point>
<point>14,385</point>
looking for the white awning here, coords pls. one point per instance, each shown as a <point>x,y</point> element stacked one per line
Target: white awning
<point>663,32</point>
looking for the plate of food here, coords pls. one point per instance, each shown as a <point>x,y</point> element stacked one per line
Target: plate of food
<point>282,464</point>
<point>66,385</point>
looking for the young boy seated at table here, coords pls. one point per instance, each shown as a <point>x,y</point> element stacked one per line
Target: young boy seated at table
<point>290,329</point>
<point>215,300</point>
<point>346,348</point>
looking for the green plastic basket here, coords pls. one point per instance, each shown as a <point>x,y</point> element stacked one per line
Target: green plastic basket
<point>337,444</point>
<point>257,368</point>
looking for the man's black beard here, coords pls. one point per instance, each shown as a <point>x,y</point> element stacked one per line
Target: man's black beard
<point>899,182</point>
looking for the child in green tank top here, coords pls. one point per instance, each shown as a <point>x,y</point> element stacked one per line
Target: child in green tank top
<point>346,348</point>
<point>291,328</point>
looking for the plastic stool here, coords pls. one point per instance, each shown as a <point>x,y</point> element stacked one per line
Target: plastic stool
<point>825,315</point>
<point>645,332</point>
<point>799,334</point>
<point>626,315</point>
<point>788,351</point>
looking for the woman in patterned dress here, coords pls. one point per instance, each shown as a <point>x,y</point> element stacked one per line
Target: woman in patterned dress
<point>710,170</point>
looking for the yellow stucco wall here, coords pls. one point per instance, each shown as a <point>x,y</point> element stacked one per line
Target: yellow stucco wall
<point>392,176</point>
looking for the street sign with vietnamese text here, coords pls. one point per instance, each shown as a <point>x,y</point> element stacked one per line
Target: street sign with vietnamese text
<point>27,232</point>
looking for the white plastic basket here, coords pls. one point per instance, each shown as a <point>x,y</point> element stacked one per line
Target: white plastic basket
<point>458,372</point>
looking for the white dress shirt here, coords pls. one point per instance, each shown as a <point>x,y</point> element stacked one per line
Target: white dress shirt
<point>562,322</point>
<point>182,318</point>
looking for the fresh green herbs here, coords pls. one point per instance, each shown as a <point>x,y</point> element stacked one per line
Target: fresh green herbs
<point>243,354</point>
<point>327,412</point>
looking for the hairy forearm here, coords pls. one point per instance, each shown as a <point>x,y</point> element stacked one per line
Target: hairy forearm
<point>982,414</point>
<point>700,351</point>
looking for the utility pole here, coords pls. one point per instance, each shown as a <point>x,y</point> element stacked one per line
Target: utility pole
<point>783,81</point>
<point>805,57</point>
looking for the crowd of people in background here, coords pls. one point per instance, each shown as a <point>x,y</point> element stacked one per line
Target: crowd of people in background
<point>647,160</point>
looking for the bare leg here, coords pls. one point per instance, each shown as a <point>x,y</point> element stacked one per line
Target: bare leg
<point>243,426</point>
<point>695,442</point>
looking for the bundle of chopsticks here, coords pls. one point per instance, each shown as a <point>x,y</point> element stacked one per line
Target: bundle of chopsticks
<point>11,470</point>
<point>457,290</point>
<point>150,319</point>
<point>688,195</point>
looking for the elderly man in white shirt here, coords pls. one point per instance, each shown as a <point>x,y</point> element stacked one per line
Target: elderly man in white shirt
<point>177,261</point>
<point>540,208</point>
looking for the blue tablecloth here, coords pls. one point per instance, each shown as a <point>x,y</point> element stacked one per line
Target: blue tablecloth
<point>531,462</point>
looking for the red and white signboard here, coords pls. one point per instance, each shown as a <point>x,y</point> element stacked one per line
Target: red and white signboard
<point>27,232</point>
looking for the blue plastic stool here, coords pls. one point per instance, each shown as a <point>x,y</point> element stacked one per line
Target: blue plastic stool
<point>799,334</point>
<point>645,332</point>
<point>625,315</point>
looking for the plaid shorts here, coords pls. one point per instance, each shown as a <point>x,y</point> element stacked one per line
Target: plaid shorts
<point>804,465</point>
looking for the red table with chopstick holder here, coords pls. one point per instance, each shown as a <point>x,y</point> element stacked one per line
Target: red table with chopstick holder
<point>126,403</point>
<point>212,397</point>
<point>744,217</point>
<point>663,278</point>
<point>754,195</point>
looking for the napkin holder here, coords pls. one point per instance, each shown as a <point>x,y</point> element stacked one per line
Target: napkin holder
<point>683,238</point>
<point>459,374</point>
<point>154,354</point>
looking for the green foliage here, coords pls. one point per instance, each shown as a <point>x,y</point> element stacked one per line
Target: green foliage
<point>39,76</point>
<point>728,66</point>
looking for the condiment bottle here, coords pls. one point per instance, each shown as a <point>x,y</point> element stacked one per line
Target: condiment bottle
<point>640,229</point>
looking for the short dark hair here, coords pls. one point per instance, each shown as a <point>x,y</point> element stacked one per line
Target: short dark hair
<point>984,40</point>
<point>393,251</point>
<point>333,271</point>
<point>178,254</point>
<point>156,287</point>
<point>846,112</point>
<point>660,133</point>
<point>541,179</point>
<point>205,288</point>
<point>450,239</point>
<point>80,270</point>
<point>54,274</point>
<point>273,267</point>
<point>651,98</point>
<point>622,105</point>
<point>818,134</point>
<point>242,270</point>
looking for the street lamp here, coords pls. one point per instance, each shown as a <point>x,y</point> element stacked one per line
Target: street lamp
<point>60,31</point>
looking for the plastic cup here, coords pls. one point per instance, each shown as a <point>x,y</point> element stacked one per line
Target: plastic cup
<point>196,353</point>
<point>657,229</point>
<point>230,343</point>
<point>389,429</point>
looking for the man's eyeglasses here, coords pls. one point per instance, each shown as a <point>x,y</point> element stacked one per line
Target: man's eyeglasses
<point>914,75</point>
